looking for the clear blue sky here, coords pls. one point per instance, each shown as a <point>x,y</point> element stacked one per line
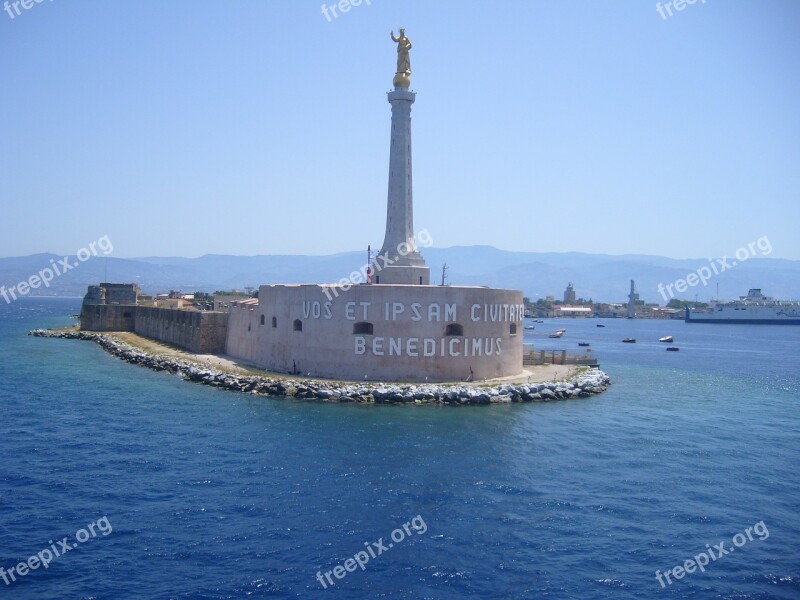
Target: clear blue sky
<point>182,128</point>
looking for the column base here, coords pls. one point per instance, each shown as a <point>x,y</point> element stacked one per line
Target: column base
<point>402,275</point>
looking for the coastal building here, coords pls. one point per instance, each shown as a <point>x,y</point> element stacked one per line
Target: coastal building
<point>633,299</point>
<point>222,302</point>
<point>391,324</point>
<point>386,322</point>
<point>565,310</point>
<point>112,293</point>
<point>120,307</point>
<point>569,294</point>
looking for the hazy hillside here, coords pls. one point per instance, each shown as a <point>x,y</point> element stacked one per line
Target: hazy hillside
<point>596,276</point>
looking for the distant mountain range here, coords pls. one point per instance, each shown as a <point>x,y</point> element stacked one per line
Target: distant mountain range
<point>601,277</point>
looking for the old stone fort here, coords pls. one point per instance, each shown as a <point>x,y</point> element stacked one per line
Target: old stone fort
<point>392,326</point>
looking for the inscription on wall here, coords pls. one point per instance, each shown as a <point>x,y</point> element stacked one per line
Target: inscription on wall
<point>427,347</point>
<point>416,312</point>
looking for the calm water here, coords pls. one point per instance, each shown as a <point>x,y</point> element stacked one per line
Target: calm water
<point>219,495</point>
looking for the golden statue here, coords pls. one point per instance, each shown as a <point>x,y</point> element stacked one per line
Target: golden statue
<point>402,77</point>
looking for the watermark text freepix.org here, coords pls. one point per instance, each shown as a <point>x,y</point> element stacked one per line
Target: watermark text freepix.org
<point>12,6</point>
<point>373,550</point>
<point>46,556</point>
<point>421,239</point>
<point>715,267</point>
<point>343,6</point>
<point>666,8</point>
<point>56,268</point>
<point>712,553</point>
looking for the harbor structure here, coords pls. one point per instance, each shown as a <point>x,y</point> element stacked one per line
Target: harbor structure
<point>633,299</point>
<point>393,326</point>
<point>569,294</point>
<point>399,261</point>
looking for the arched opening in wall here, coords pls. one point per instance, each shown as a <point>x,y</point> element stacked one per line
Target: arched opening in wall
<point>513,329</point>
<point>274,322</point>
<point>362,328</point>
<point>454,329</point>
<point>263,319</point>
<point>420,279</point>
<point>377,278</point>
<point>248,327</point>
<point>298,325</point>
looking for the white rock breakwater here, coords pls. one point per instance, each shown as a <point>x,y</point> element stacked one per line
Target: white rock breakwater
<point>587,383</point>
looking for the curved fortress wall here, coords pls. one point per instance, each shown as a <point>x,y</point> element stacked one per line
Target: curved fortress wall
<point>381,332</point>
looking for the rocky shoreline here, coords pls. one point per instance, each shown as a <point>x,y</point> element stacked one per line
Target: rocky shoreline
<point>590,382</point>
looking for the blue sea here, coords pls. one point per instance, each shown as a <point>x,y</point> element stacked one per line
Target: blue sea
<point>199,493</point>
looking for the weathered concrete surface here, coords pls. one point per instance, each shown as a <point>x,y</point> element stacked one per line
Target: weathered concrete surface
<point>194,330</point>
<point>107,317</point>
<point>197,331</point>
<point>381,332</point>
<point>407,265</point>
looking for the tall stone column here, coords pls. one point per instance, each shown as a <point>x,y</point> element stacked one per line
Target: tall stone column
<point>405,264</point>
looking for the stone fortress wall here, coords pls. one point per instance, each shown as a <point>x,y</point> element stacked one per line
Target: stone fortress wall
<point>196,331</point>
<point>200,332</point>
<point>381,332</point>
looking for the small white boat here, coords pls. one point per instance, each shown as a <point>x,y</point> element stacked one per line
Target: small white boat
<point>667,339</point>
